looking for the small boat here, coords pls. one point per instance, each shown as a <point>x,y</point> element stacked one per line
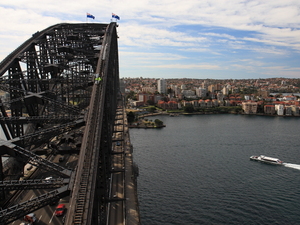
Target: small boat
<point>266,159</point>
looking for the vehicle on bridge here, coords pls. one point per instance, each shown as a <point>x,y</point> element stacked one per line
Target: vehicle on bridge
<point>29,219</point>
<point>60,210</point>
<point>48,179</point>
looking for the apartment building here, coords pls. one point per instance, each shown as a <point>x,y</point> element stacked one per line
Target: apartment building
<point>249,107</point>
<point>279,109</point>
<point>269,109</point>
<point>161,86</point>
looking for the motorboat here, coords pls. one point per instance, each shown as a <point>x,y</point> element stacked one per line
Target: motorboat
<point>266,159</point>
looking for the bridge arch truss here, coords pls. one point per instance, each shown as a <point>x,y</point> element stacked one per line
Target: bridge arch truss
<point>62,82</point>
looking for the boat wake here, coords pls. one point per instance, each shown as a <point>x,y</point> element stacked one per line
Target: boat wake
<point>290,165</point>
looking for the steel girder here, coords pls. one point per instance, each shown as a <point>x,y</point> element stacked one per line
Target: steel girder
<point>34,184</point>
<point>49,81</point>
<point>10,214</point>
<point>89,201</point>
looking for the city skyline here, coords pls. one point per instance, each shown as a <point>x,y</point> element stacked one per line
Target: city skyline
<point>173,39</point>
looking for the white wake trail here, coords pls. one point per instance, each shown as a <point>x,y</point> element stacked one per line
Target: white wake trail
<point>290,165</point>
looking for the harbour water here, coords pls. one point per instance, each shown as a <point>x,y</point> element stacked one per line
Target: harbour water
<point>197,170</point>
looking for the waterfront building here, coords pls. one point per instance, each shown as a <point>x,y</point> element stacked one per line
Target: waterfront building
<point>269,109</point>
<point>179,106</point>
<point>208,103</point>
<point>186,103</point>
<point>279,108</point>
<point>161,86</point>
<point>162,104</point>
<point>295,110</point>
<point>167,105</point>
<point>226,102</point>
<point>195,103</point>
<point>215,102</point>
<point>288,110</point>
<point>173,105</point>
<point>249,107</point>
<point>201,103</point>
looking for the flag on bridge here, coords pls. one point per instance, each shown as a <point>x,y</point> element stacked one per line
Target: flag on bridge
<point>88,15</point>
<point>115,16</point>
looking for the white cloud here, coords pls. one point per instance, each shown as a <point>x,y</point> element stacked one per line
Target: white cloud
<point>147,36</point>
<point>157,30</point>
<point>190,66</point>
<point>146,56</point>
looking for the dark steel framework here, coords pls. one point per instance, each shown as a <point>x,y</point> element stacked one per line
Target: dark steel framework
<point>51,90</point>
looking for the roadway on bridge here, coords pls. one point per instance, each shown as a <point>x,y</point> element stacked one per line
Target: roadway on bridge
<point>117,197</point>
<point>116,206</point>
<point>46,215</point>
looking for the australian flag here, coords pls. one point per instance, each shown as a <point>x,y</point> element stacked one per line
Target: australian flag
<point>88,15</point>
<point>115,16</point>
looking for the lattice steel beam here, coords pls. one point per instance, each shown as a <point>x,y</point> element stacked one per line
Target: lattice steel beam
<point>18,211</point>
<point>33,184</point>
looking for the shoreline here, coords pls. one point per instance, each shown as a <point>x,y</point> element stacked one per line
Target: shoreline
<point>200,113</point>
<point>146,127</point>
<point>197,113</point>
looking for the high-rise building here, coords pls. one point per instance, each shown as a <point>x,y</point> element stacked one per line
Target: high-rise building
<point>225,90</point>
<point>161,86</point>
<point>211,88</point>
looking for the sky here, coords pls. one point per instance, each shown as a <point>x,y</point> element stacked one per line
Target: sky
<point>214,39</point>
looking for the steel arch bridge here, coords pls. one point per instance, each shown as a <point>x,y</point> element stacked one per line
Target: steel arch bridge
<point>60,85</point>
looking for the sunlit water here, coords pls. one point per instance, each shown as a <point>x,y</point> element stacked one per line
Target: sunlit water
<point>197,170</point>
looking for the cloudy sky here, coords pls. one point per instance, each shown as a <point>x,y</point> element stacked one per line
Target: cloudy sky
<point>216,39</point>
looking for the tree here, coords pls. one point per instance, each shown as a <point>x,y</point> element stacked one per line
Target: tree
<point>151,109</point>
<point>158,122</point>
<point>150,102</point>
<point>188,108</point>
<point>131,95</point>
<point>130,117</point>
